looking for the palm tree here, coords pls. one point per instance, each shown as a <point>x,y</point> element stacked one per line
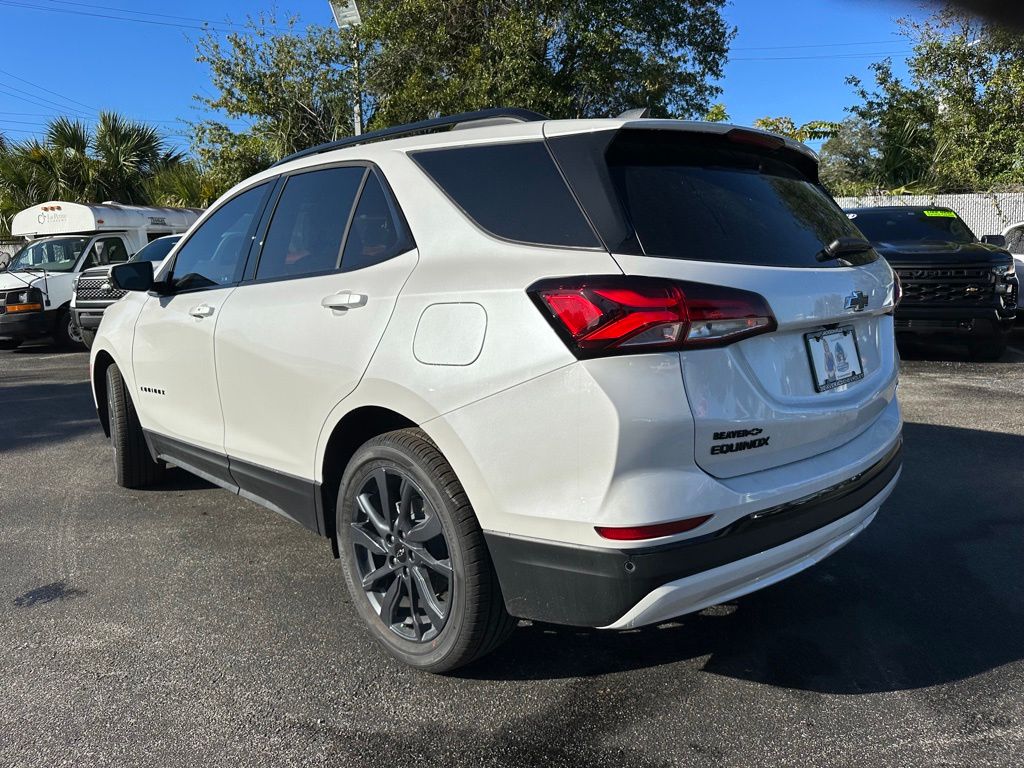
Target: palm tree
<point>116,160</point>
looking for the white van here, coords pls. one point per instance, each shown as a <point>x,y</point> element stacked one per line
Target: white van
<point>62,240</point>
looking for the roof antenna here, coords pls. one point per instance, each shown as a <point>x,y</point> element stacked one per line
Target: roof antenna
<point>636,114</point>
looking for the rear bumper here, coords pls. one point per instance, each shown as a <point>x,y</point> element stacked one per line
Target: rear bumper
<point>27,325</point>
<point>588,586</point>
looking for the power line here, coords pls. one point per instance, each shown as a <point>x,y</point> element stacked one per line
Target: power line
<point>823,56</point>
<point>812,45</point>
<point>224,23</point>
<point>42,101</point>
<point>47,90</point>
<point>207,25</point>
<point>8,90</point>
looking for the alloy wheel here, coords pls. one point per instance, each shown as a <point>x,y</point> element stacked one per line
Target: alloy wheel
<point>401,556</point>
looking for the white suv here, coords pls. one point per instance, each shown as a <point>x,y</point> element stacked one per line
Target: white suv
<point>594,372</point>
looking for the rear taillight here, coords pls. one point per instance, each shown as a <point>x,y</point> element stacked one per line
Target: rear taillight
<point>599,316</point>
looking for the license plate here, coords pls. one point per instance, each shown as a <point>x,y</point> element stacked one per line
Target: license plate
<point>835,358</point>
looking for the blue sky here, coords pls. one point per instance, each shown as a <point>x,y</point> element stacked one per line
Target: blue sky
<point>80,56</point>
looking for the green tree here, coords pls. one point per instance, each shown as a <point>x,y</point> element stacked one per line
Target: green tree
<point>957,123</point>
<point>116,160</point>
<point>717,114</point>
<point>295,88</point>
<point>849,160</point>
<point>564,58</point>
<point>785,126</point>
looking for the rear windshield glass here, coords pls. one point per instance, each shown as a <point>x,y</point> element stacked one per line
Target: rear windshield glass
<point>513,191</point>
<point>692,197</point>
<point>912,225</point>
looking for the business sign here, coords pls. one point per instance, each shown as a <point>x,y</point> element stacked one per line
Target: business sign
<point>346,13</point>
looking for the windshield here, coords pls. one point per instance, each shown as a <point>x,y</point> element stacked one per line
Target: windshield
<point>912,225</point>
<point>59,254</point>
<point>691,197</point>
<point>156,250</point>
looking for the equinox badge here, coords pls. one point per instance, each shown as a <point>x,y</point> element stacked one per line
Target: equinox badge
<point>857,301</point>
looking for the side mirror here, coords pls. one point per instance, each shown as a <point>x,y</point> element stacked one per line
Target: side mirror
<point>133,276</point>
<point>999,241</point>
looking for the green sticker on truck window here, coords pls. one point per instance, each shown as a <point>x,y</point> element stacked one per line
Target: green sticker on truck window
<point>942,214</point>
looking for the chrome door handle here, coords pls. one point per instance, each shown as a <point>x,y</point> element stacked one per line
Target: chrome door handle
<point>344,300</point>
<point>203,310</point>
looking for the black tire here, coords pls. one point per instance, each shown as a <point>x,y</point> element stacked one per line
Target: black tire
<point>9,344</point>
<point>988,350</point>
<point>426,637</point>
<point>133,465</point>
<point>88,337</point>
<point>66,332</point>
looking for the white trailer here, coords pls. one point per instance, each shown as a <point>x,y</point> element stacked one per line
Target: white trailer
<point>62,239</point>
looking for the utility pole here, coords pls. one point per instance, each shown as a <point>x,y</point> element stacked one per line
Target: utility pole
<point>347,16</point>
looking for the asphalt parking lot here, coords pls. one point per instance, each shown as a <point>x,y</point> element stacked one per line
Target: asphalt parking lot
<point>185,626</point>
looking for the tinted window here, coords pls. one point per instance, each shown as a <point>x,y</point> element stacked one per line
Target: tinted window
<point>308,227</point>
<point>215,253</point>
<point>376,233</point>
<point>156,250</point>
<point>912,225</point>
<point>513,191</point>
<point>697,198</point>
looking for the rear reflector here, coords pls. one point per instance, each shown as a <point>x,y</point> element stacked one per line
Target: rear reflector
<point>639,533</point>
<point>598,316</point>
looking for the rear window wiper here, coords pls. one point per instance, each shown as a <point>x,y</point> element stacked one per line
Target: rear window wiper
<point>843,246</point>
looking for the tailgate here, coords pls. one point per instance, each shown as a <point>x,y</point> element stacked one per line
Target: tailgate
<point>754,403</point>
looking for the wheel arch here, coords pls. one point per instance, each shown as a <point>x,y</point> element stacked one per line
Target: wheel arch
<point>350,432</point>
<point>101,362</point>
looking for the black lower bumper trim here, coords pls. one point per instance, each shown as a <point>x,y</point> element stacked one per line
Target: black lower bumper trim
<point>27,325</point>
<point>592,587</point>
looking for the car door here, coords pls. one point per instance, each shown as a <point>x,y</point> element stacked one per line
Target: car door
<point>104,252</point>
<point>295,340</point>
<point>173,352</point>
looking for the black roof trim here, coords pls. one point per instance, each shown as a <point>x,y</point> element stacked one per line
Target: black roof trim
<point>423,126</point>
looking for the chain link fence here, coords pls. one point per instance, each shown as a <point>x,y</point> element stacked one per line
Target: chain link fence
<point>986,213</point>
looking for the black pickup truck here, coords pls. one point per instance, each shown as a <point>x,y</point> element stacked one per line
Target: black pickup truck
<point>953,284</point>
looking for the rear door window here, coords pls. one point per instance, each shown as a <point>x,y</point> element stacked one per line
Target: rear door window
<point>692,197</point>
<point>308,227</point>
<point>512,191</point>
<point>377,232</point>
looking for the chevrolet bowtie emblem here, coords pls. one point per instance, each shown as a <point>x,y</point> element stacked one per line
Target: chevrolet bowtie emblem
<point>857,301</point>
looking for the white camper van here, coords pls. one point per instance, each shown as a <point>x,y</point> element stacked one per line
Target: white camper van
<point>62,239</point>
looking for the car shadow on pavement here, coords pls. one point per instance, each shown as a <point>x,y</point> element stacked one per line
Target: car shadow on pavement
<point>34,413</point>
<point>930,593</point>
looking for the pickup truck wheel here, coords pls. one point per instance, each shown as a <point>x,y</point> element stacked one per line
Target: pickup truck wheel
<point>988,350</point>
<point>414,558</point>
<point>66,333</point>
<point>88,337</point>
<point>133,466</point>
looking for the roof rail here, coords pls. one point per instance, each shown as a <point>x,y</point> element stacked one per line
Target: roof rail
<point>483,116</point>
